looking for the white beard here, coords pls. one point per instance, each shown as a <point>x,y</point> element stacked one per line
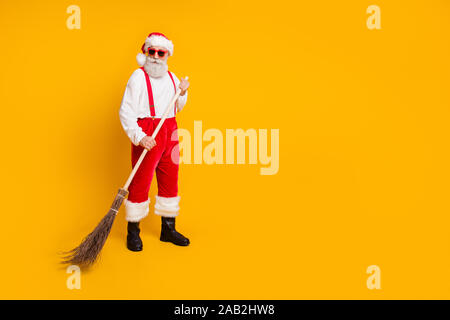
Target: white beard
<point>156,68</point>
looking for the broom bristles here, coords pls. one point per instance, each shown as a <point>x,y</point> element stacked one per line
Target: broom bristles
<point>88,251</point>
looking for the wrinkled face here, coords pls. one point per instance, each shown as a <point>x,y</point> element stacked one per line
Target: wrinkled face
<point>156,62</point>
<point>158,53</point>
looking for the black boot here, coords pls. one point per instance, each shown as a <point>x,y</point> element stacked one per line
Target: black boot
<point>169,234</point>
<point>134,242</point>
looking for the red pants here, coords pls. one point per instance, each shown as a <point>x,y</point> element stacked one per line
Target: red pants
<point>162,159</point>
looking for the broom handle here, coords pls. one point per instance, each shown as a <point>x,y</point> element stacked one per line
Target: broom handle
<point>155,132</point>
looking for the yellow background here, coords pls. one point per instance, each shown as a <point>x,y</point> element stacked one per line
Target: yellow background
<point>363,118</point>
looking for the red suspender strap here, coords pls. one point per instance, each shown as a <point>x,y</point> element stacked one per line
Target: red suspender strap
<point>175,88</point>
<point>150,94</point>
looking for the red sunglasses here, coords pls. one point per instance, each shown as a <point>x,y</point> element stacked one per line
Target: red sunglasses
<point>161,53</point>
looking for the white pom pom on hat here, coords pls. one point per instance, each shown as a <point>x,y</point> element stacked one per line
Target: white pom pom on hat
<point>141,58</point>
<point>154,39</point>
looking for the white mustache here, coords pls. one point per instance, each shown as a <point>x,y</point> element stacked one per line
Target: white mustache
<point>153,60</point>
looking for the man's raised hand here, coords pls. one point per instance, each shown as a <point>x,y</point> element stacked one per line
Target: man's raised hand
<point>184,85</point>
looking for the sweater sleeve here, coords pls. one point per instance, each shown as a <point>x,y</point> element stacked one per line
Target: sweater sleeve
<point>182,99</point>
<point>128,109</point>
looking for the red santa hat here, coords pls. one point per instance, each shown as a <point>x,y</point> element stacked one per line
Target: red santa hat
<point>154,39</point>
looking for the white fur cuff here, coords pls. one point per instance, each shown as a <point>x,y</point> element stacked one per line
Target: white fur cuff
<point>167,207</point>
<point>136,211</point>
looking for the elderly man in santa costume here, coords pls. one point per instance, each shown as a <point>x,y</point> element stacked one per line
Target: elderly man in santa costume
<point>148,93</point>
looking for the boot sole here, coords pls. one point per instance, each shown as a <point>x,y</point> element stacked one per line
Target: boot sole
<point>177,244</point>
<point>135,250</point>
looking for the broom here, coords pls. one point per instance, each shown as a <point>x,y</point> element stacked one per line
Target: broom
<point>87,252</point>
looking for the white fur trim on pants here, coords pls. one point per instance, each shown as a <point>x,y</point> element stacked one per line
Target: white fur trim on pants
<point>136,211</point>
<point>167,207</point>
